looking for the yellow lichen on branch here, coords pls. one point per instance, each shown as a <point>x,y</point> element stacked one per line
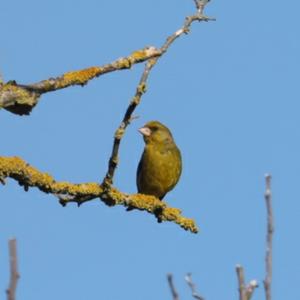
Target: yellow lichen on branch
<point>28,176</point>
<point>20,99</point>
<point>17,99</point>
<point>79,77</point>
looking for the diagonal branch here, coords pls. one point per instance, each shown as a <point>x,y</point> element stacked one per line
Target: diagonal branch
<point>141,89</point>
<point>21,99</point>
<point>172,287</point>
<point>113,161</point>
<point>27,176</point>
<point>188,279</point>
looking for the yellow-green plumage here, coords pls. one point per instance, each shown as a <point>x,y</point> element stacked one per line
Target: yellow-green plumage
<point>160,166</point>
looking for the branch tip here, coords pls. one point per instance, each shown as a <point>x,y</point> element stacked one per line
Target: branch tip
<point>14,273</point>
<point>188,279</point>
<point>269,237</point>
<point>172,287</point>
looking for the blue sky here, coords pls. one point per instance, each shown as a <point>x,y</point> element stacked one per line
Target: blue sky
<point>229,93</point>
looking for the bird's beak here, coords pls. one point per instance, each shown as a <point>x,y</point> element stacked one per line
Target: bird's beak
<point>145,131</point>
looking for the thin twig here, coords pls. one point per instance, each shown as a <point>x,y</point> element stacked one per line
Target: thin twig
<point>141,89</point>
<point>269,238</point>
<point>113,161</point>
<point>250,288</point>
<point>188,279</point>
<point>245,291</point>
<point>200,4</point>
<point>14,274</point>
<point>241,280</point>
<point>172,287</point>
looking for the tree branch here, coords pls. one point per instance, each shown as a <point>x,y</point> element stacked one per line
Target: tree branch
<point>188,279</point>
<point>269,238</point>
<point>241,281</point>
<point>14,274</point>
<point>245,291</point>
<point>141,89</point>
<point>172,287</point>
<point>27,176</point>
<point>20,99</point>
<point>200,4</point>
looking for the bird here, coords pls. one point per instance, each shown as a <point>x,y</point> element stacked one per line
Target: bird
<point>160,165</point>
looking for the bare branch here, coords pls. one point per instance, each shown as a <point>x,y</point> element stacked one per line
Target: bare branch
<point>250,288</point>
<point>28,176</point>
<point>241,280</point>
<point>172,287</point>
<point>245,291</point>
<point>269,238</point>
<point>14,274</point>
<point>188,279</point>
<point>113,161</point>
<point>200,4</point>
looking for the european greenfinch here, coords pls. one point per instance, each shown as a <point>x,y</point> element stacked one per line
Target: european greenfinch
<point>160,166</point>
